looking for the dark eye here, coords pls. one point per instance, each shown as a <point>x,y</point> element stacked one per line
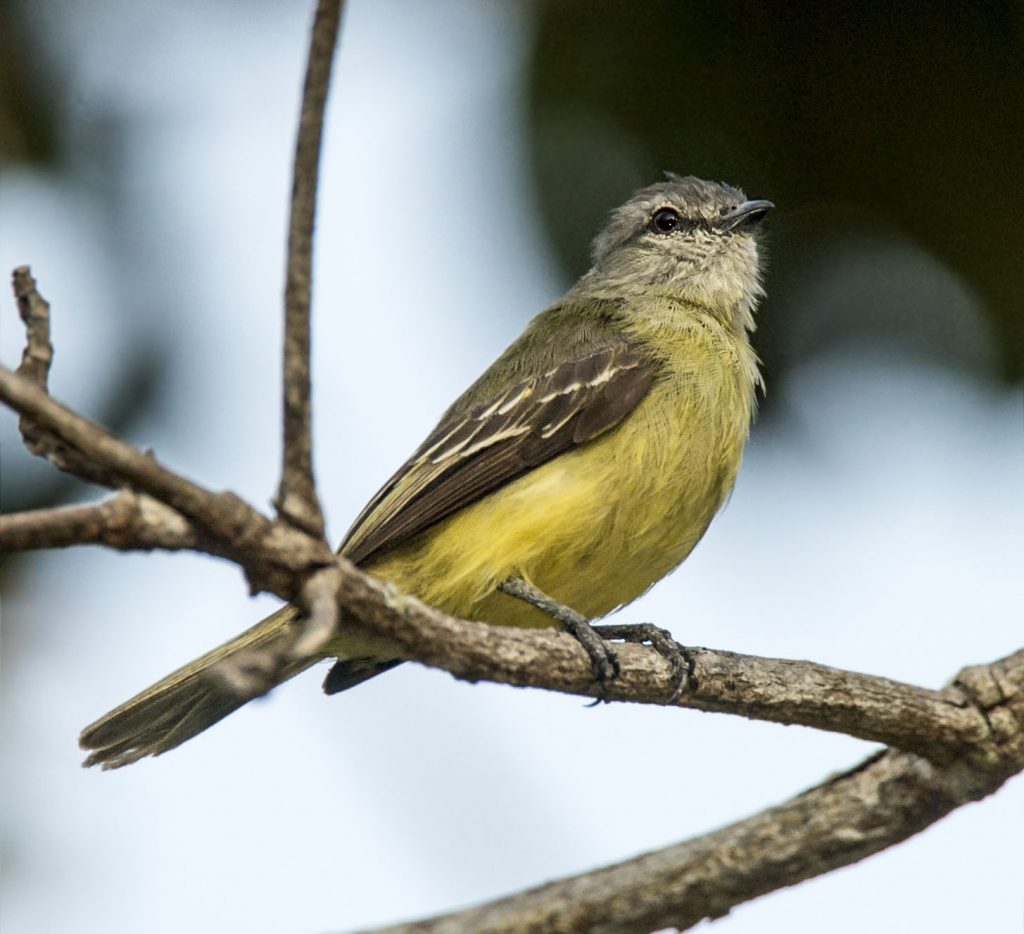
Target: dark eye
<point>665,220</point>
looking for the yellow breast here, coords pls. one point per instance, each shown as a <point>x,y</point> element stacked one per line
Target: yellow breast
<point>595,527</point>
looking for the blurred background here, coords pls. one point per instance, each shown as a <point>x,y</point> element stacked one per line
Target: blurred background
<point>472,151</point>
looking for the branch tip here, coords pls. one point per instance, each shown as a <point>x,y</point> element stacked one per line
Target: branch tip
<point>34,311</point>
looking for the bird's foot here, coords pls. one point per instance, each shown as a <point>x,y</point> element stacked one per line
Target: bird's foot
<point>602,656</point>
<point>662,642</point>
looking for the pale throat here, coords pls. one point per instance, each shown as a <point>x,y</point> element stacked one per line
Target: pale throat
<point>727,283</point>
<point>723,279</point>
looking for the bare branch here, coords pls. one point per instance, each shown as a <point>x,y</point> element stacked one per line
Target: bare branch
<point>296,500</point>
<point>127,521</point>
<point>938,724</point>
<point>35,369</point>
<point>35,312</point>
<point>271,554</point>
<point>879,803</point>
<point>319,598</point>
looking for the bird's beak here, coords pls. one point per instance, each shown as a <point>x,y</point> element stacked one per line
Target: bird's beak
<point>748,214</point>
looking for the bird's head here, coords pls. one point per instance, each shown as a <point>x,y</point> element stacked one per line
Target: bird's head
<point>686,238</point>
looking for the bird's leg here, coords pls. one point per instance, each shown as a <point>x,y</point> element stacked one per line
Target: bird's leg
<point>602,656</point>
<point>662,642</point>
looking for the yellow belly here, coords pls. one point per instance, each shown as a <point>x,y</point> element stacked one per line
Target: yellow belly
<point>595,527</point>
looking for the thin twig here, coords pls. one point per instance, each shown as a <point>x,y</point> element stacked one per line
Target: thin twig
<point>879,803</point>
<point>319,596</point>
<point>296,500</point>
<point>34,368</point>
<point>127,521</point>
<point>34,310</point>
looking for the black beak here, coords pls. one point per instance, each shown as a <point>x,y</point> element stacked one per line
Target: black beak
<point>748,214</point>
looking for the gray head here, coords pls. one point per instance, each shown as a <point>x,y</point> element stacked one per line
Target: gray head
<point>693,239</point>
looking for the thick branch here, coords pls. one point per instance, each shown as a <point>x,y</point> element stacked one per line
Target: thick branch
<point>881,802</point>
<point>296,500</point>
<point>127,521</point>
<point>941,725</point>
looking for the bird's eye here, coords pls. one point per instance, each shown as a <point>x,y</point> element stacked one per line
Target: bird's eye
<point>665,220</point>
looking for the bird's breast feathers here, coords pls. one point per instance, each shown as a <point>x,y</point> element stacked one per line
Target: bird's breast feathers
<point>595,526</point>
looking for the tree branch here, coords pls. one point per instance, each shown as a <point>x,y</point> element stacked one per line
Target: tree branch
<point>35,369</point>
<point>940,725</point>
<point>279,558</point>
<point>296,500</point>
<point>272,553</point>
<point>34,310</point>
<point>879,803</point>
<point>127,521</point>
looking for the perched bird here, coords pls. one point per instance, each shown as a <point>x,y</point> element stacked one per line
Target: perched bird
<point>584,464</point>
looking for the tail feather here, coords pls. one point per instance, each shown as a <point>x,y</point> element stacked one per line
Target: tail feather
<point>184,703</point>
<point>347,673</point>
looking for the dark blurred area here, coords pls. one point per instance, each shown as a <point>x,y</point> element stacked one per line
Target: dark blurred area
<point>865,123</point>
<point>29,98</point>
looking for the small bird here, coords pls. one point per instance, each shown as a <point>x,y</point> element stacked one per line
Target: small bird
<point>582,467</point>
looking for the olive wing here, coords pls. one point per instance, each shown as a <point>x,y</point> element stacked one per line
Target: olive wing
<point>493,442</point>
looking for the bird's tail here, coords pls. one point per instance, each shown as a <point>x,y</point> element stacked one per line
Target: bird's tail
<point>187,701</point>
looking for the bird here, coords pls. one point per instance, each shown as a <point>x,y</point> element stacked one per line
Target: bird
<point>581,467</point>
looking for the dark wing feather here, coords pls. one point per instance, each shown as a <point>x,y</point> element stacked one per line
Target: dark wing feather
<point>475,451</point>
